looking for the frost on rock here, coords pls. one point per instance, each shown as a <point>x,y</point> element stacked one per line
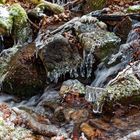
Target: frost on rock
<point>5,57</point>
<point>72,86</point>
<point>59,58</point>
<point>125,88</point>
<point>6,21</point>
<point>96,41</point>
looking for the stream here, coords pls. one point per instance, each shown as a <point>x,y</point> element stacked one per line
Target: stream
<point>67,70</point>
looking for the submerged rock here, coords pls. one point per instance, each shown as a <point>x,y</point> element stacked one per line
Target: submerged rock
<point>22,74</point>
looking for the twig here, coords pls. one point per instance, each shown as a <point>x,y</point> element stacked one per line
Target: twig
<point>37,27</point>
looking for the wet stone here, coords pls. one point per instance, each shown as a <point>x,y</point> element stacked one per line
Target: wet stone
<point>72,87</point>
<point>58,63</point>
<point>123,28</point>
<point>22,76</point>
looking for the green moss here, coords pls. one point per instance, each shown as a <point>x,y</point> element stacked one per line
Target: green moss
<point>21,28</point>
<point>124,90</point>
<point>101,42</point>
<point>57,9</point>
<point>19,14</point>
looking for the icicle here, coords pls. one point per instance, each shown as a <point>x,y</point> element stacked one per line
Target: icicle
<point>56,77</point>
<point>89,63</point>
<point>98,108</point>
<point>71,73</point>
<point>2,37</point>
<point>88,97</point>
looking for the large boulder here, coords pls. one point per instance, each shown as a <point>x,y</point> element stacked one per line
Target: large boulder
<point>22,74</point>
<point>58,57</point>
<point>99,42</point>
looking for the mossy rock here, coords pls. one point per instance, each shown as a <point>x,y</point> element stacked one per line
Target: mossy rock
<point>13,20</point>
<point>5,57</point>
<point>124,89</point>
<point>21,29</point>
<point>58,57</point>
<point>100,42</point>
<point>25,76</point>
<point>36,1</point>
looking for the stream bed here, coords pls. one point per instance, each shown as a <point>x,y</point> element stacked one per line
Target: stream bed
<point>69,70</point>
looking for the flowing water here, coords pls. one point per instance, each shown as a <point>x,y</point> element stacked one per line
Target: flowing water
<point>103,74</point>
<point>117,62</point>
